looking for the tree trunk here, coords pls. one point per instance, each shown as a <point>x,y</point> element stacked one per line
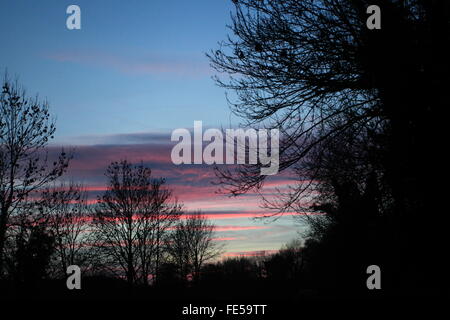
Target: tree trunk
<point>3,219</point>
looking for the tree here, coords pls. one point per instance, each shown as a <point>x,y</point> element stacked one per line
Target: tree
<point>295,66</point>
<point>285,266</point>
<point>29,244</point>
<point>191,244</point>
<point>314,70</point>
<point>305,66</point>
<point>68,214</point>
<point>131,218</point>
<point>30,252</point>
<point>25,129</point>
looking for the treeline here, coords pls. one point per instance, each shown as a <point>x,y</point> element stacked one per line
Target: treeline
<point>133,231</point>
<point>134,236</point>
<point>47,225</point>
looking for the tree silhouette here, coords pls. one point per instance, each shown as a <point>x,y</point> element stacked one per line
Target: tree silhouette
<point>131,218</point>
<point>68,214</point>
<point>25,129</point>
<point>191,244</point>
<point>29,246</point>
<point>286,265</point>
<point>298,69</point>
<point>315,71</point>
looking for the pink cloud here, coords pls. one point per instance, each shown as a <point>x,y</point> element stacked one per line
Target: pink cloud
<point>225,239</point>
<point>256,214</point>
<point>238,228</point>
<point>192,186</point>
<point>153,65</point>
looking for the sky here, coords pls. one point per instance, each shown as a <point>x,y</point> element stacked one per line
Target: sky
<point>135,71</point>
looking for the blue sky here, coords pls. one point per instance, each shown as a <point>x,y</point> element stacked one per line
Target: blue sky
<point>134,66</point>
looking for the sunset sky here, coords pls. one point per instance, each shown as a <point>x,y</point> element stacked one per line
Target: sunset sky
<point>118,87</point>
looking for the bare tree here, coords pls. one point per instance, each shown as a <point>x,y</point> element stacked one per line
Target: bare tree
<point>314,70</point>
<point>131,218</point>
<point>293,65</point>
<point>25,129</point>
<point>191,244</point>
<point>164,217</point>
<point>68,220</point>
